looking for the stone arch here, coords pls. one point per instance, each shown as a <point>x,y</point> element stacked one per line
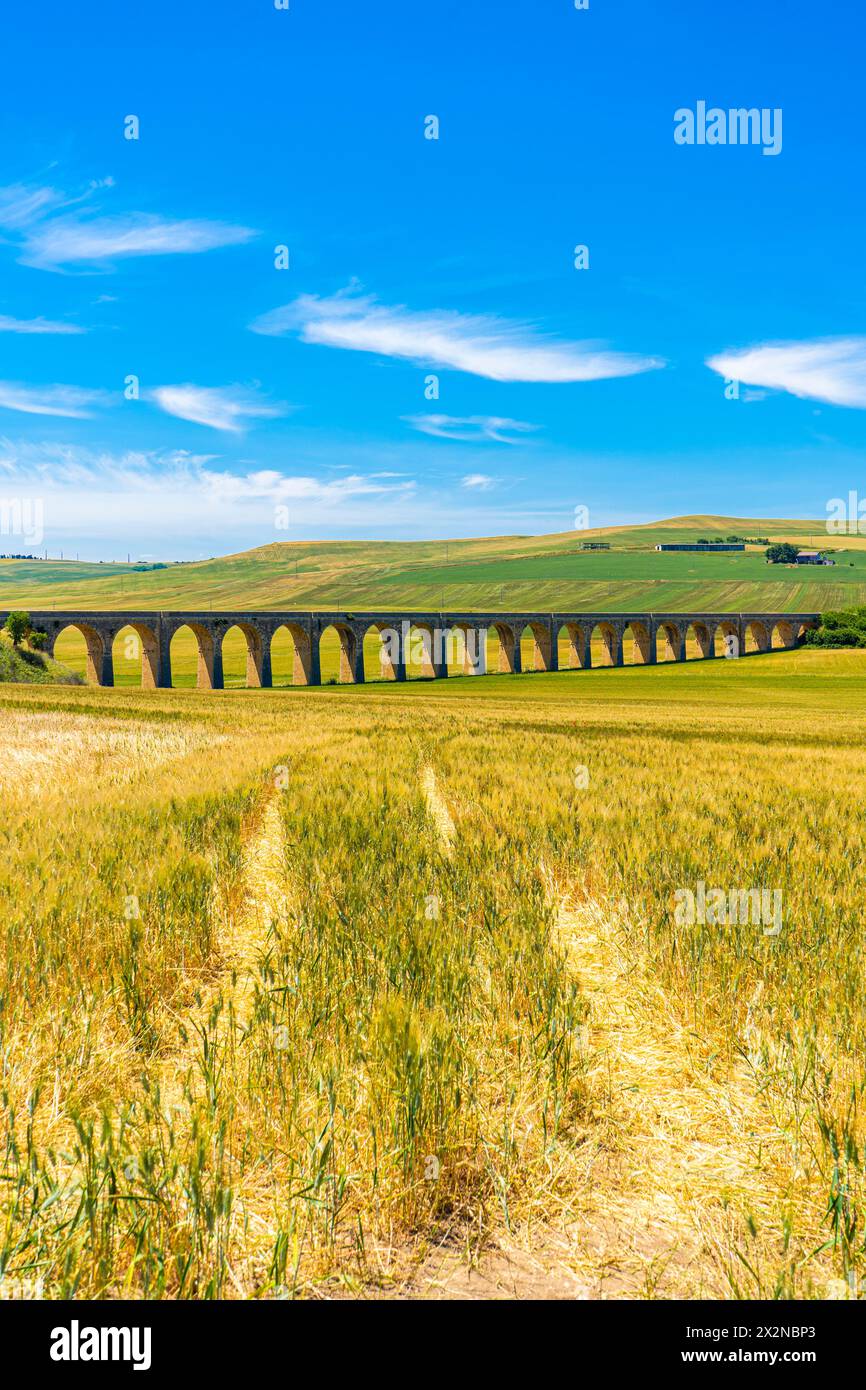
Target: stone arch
<point>427,651</point>
<point>350,655</point>
<point>255,653</point>
<point>641,645</point>
<point>208,658</point>
<point>670,642</point>
<point>578,653</point>
<point>467,650</point>
<point>139,644</point>
<point>726,638</point>
<point>757,637</point>
<point>537,653</point>
<point>504,645</point>
<point>302,670</point>
<point>382,651</point>
<point>785,634</point>
<point>699,641</point>
<point>607,638</point>
<point>98,666</point>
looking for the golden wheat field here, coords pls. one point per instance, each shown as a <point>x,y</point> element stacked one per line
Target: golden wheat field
<point>383,991</point>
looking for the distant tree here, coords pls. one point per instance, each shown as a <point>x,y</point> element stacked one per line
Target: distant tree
<point>846,628</point>
<point>18,626</point>
<point>782,553</point>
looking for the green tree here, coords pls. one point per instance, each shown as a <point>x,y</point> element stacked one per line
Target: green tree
<point>18,626</point>
<point>783,553</point>
<point>38,641</point>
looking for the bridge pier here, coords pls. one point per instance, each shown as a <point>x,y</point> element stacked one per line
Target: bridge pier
<point>356,659</point>
<point>439,657</point>
<point>475,651</point>
<point>311,664</point>
<point>266,676</point>
<point>163,679</point>
<point>106,663</point>
<point>399,660</point>
<point>217,679</point>
<point>553,648</point>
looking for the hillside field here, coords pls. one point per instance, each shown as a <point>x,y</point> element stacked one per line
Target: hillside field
<point>385,989</point>
<point>517,572</point>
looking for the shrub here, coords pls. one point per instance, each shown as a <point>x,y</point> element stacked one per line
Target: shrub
<point>845,628</point>
<point>18,626</point>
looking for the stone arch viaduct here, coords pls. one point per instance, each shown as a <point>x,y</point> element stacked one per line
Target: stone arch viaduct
<point>424,633</point>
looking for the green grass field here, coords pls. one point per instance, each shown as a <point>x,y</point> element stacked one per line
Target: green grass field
<point>516,572</point>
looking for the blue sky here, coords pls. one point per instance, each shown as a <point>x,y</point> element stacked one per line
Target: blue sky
<point>285,404</point>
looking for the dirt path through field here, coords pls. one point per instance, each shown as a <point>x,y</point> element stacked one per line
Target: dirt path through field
<point>243,920</point>
<point>264,902</point>
<point>682,1150</point>
<point>437,807</point>
<point>685,1174</point>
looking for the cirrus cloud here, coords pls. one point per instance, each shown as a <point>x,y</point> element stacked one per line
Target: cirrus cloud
<point>482,345</point>
<point>228,408</point>
<point>98,241</point>
<point>470,429</point>
<point>39,325</point>
<point>22,204</point>
<point>823,369</point>
<point>71,402</point>
<point>50,237</point>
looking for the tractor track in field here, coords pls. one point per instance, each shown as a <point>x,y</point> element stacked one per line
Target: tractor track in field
<point>681,1157</point>
<point>223,1003</point>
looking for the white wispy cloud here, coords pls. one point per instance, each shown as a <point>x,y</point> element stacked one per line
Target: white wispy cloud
<point>480,482</point>
<point>50,237</point>
<point>483,345</point>
<point>40,325</point>
<point>21,204</point>
<point>97,241</point>
<point>139,472</point>
<point>178,502</point>
<point>281,487</point>
<point>73,402</point>
<point>824,369</point>
<point>470,429</point>
<point>229,408</point>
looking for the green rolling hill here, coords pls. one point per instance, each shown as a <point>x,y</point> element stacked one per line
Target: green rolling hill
<point>500,572</point>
